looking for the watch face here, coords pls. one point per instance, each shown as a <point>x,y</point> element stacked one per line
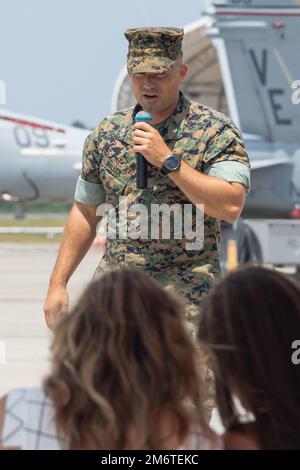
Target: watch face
<point>172,163</point>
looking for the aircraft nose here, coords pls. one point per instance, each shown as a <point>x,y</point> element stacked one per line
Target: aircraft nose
<point>8,166</point>
<point>2,165</point>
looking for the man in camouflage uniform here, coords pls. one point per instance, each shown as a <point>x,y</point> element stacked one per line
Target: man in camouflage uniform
<point>213,170</point>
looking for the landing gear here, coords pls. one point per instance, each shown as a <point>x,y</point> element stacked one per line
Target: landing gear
<point>247,244</point>
<point>20,210</point>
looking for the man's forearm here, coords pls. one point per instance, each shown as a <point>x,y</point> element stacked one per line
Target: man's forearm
<point>222,200</point>
<point>79,233</point>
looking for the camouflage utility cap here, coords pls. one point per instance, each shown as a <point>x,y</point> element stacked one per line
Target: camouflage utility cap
<point>153,50</point>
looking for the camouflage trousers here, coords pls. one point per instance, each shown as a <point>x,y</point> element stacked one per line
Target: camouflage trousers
<point>192,283</point>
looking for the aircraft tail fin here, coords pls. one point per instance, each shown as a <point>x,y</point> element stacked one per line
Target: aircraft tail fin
<point>257,44</point>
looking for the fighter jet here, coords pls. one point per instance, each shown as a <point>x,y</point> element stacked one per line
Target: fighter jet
<point>245,61</point>
<point>257,41</point>
<point>39,160</point>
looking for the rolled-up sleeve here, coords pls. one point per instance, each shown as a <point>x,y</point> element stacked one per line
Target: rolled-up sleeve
<point>226,157</point>
<point>233,172</point>
<point>88,193</point>
<point>89,188</point>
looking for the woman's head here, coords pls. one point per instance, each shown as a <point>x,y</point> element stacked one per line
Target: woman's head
<point>119,359</point>
<point>249,322</point>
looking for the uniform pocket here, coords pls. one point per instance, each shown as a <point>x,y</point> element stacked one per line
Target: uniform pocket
<point>113,183</point>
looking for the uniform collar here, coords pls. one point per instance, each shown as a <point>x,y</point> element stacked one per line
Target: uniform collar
<point>170,129</point>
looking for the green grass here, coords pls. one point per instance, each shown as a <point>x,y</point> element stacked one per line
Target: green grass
<point>42,222</point>
<point>28,238</point>
<point>37,208</point>
<point>31,237</point>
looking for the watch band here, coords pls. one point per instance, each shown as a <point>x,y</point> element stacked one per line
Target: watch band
<point>165,169</point>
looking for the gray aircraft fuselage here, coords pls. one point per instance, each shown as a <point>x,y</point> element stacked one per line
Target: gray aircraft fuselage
<point>257,43</point>
<point>257,46</point>
<point>41,152</point>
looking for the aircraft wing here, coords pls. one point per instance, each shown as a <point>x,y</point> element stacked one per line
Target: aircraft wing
<point>270,162</point>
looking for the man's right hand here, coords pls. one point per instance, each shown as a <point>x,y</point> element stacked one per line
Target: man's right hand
<point>79,234</point>
<point>56,305</point>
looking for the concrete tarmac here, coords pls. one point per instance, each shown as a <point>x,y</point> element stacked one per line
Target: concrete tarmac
<point>24,336</point>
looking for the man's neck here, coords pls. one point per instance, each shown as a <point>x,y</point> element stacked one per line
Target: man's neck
<point>157,118</point>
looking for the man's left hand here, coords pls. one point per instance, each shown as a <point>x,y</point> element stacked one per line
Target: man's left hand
<point>148,142</point>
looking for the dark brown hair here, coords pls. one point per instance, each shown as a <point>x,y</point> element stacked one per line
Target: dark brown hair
<point>249,322</point>
<point>119,359</point>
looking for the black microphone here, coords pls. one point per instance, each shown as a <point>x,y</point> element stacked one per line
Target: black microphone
<point>141,162</point>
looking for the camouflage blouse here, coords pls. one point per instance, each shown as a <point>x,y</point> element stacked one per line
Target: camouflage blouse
<point>204,138</point>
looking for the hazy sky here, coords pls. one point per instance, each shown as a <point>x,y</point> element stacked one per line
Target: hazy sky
<point>60,59</point>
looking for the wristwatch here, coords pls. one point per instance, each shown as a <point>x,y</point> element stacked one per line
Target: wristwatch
<point>171,163</point>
